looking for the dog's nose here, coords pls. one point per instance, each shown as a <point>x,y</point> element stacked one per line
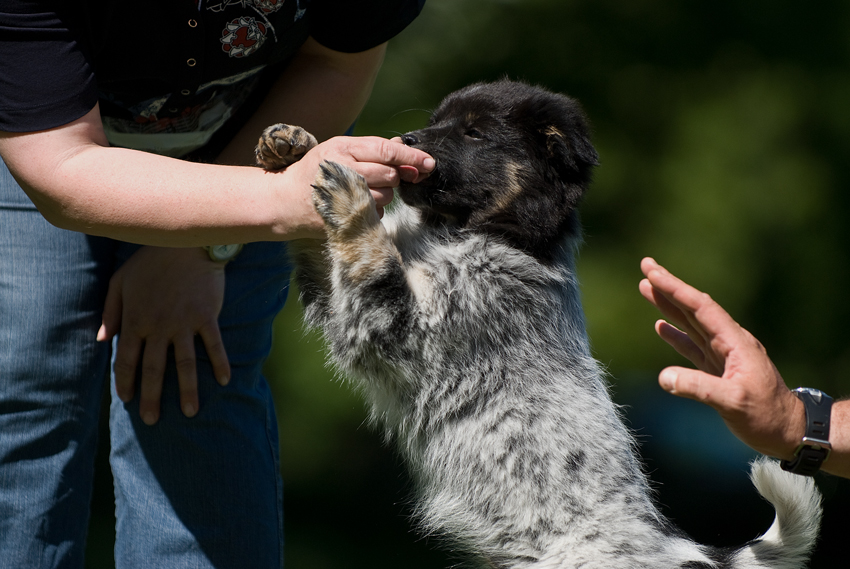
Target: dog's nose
<point>409,139</point>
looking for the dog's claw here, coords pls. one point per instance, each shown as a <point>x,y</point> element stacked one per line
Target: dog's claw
<point>341,196</point>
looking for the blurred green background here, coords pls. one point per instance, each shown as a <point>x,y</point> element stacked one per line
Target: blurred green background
<point>724,134</point>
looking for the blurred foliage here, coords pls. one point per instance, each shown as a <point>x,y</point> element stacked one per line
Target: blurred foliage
<point>724,134</point>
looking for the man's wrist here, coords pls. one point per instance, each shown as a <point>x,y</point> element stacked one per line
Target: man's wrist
<point>814,447</point>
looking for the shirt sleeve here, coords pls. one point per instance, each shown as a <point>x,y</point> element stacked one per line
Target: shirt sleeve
<point>352,26</point>
<point>46,78</point>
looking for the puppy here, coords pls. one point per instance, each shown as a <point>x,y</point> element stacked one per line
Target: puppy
<point>458,317</point>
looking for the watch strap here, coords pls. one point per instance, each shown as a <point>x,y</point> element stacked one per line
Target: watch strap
<point>814,448</point>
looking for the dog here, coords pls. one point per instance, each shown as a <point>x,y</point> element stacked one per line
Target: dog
<point>458,317</point>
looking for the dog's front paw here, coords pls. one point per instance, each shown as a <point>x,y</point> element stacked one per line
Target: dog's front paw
<point>281,145</point>
<point>342,198</point>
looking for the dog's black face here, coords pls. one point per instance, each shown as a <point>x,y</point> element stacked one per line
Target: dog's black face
<point>512,160</point>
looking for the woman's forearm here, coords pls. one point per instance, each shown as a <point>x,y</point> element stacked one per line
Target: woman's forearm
<point>144,198</point>
<point>81,184</point>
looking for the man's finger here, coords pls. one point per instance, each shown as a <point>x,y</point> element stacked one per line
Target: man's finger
<point>660,301</point>
<point>674,313</point>
<point>692,384</point>
<point>703,314</point>
<point>682,343</point>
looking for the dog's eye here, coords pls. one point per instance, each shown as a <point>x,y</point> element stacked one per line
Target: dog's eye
<point>474,134</point>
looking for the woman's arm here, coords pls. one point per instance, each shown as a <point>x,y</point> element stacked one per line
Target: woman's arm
<point>78,182</point>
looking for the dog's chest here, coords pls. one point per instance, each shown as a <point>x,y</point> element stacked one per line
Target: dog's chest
<point>479,288</point>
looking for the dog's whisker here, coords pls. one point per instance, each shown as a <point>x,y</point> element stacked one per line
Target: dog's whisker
<point>407,111</point>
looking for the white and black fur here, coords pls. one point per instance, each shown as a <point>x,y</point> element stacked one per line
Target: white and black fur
<point>458,317</point>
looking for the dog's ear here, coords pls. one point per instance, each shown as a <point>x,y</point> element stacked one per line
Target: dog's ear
<point>561,131</point>
<point>573,148</point>
<point>569,154</point>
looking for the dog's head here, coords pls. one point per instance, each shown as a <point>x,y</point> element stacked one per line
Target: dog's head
<point>512,160</point>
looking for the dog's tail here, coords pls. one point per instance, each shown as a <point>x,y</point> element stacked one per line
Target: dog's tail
<point>789,541</point>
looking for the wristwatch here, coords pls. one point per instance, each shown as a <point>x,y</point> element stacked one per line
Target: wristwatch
<point>223,253</point>
<point>814,449</point>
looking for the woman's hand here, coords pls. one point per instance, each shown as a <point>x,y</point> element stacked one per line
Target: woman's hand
<point>163,297</point>
<point>383,163</point>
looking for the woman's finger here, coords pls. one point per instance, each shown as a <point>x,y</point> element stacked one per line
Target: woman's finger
<point>187,373</point>
<point>153,373</point>
<point>127,352</point>
<point>214,345</point>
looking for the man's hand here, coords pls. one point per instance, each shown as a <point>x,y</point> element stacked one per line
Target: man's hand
<point>163,297</point>
<point>737,378</point>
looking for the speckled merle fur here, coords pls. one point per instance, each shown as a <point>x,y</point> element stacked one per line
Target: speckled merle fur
<point>459,319</point>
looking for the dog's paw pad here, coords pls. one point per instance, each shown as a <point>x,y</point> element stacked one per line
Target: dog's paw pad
<point>281,145</point>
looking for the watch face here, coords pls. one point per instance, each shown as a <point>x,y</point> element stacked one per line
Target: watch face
<point>816,394</point>
<point>225,252</point>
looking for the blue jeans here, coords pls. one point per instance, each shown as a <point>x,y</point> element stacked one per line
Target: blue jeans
<point>201,492</point>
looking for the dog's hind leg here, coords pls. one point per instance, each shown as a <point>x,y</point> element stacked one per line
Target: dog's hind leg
<point>312,274</point>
